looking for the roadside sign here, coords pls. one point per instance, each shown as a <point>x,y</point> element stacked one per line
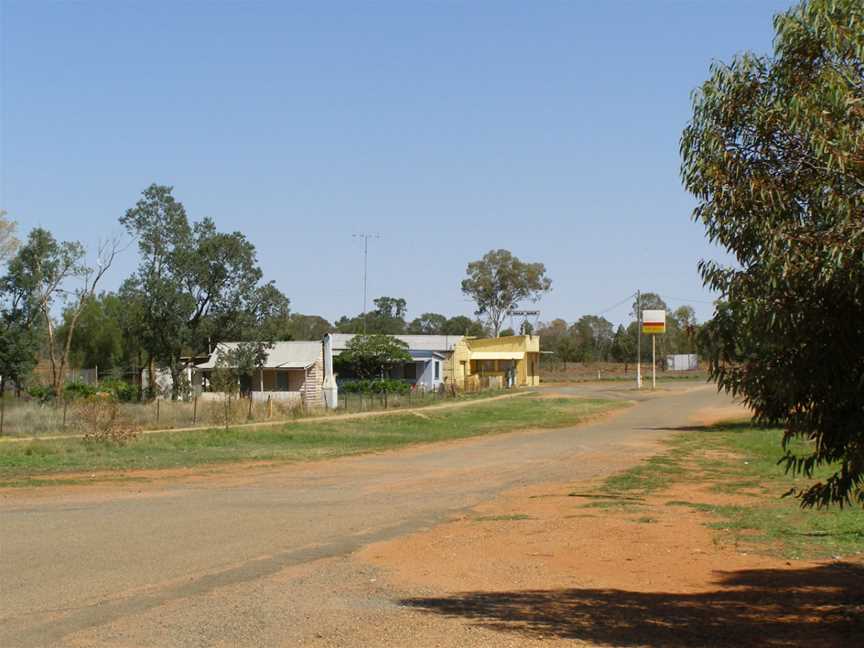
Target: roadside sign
<point>653,321</point>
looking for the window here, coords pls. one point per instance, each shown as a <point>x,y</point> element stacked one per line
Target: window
<point>437,370</point>
<point>410,370</point>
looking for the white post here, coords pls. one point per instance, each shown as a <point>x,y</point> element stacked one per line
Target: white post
<point>653,362</point>
<point>329,386</point>
<point>638,340</point>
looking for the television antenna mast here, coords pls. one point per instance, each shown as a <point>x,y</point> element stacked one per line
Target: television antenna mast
<point>365,238</point>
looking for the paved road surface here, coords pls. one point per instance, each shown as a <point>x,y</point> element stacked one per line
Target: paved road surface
<point>197,561</point>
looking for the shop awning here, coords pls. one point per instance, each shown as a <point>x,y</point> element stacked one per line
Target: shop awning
<point>497,355</point>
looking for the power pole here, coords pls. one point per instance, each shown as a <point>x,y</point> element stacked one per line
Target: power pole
<point>365,238</point>
<point>638,339</point>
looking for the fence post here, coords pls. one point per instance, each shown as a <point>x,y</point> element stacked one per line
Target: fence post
<point>157,411</point>
<point>249,414</point>
<point>269,406</point>
<point>2,411</point>
<point>385,399</point>
<point>65,405</point>
<point>195,410</point>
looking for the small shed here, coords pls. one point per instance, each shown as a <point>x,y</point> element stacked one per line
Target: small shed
<point>682,362</point>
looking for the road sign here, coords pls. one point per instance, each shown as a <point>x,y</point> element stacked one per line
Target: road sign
<point>653,321</point>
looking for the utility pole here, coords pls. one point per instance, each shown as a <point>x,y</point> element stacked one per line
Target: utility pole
<point>365,238</point>
<point>638,339</point>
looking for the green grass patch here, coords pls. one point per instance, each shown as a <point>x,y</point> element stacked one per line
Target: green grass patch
<point>503,518</point>
<point>616,504</point>
<point>741,460</point>
<point>294,441</point>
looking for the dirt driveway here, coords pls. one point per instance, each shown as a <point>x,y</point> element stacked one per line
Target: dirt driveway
<point>255,556</point>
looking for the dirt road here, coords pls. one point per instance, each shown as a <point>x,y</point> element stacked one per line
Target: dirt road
<point>260,555</point>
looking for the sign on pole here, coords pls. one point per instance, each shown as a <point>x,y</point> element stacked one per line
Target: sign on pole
<point>653,321</point>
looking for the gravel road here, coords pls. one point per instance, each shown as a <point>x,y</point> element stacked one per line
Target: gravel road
<point>260,555</point>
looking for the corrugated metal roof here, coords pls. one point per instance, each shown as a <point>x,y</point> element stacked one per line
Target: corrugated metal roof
<point>283,355</point>
<point>415,342</point>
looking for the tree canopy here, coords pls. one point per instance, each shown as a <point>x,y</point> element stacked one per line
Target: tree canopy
<point>774,154</point>
<point>195,286</point>
<point>499,282</point>
<point>8,242</point>
<point>371,356</point>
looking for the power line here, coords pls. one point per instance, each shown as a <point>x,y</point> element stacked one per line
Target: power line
<point>684,300</point>
<point>616,305</point>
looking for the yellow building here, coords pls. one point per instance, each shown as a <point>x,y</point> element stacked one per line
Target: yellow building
<point>490,362</point>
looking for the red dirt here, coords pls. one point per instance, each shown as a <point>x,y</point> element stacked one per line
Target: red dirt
<point>654,575</point>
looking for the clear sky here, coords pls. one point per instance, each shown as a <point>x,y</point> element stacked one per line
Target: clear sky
<point>450,128</point>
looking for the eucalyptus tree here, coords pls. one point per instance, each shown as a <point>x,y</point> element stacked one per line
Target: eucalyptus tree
<point>47,274</point>
<point>499,282</point>
<point>773,155</point>
<point>194,286</point>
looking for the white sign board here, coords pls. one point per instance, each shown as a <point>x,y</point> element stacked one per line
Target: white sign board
<point>653,321</point>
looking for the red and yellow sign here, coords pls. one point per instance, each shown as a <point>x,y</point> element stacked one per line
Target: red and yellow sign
<point>653,321</point>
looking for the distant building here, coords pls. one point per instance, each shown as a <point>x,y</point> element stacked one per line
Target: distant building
<point>682,362</point>
<point>430,363</point>
<point>293,372</point>
<point>510,361</point>
<point>302,372</point>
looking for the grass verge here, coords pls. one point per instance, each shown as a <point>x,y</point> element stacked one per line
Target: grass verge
<point>737,462</point>
<point>24,464</point>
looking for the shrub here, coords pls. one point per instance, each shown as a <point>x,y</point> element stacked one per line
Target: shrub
<point>379,386</point>
<point>119,389</point>
<point>41,393</point>
<point>75,390</point>
<point>99,413</point>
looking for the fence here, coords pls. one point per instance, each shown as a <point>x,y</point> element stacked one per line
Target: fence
<point>25,417</point>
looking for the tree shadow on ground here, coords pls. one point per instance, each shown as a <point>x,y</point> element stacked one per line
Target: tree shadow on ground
<point>820,606</point>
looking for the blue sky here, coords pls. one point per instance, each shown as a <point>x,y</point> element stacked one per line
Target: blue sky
<point>450,128</point>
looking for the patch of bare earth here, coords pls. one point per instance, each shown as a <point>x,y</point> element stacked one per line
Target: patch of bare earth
<point>546,566</point>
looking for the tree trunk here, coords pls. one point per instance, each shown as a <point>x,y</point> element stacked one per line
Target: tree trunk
<point>151,378</point>
<point>175,380</point>
<point>139,364</point>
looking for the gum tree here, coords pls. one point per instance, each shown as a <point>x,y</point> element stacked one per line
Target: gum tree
<point>774,155</point>
<point>500,281</point>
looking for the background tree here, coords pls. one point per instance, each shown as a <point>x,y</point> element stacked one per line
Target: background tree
<point>98,339</point>
<point>388,317</point>
<point>195,286</point>
<point>773,155</point>
<point>44,269</point>
<point>20,334</point>
<point>8,243</point>
<point>463,325</point>
<point>307,327</point>
<point>428,324</point>
<point>372,356</point>
<point>499,282</point>
<point>623,347</point>
<point>551,333</point>
<point>593,336</point>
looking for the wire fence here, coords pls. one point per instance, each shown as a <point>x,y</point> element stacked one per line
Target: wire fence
<point>32,418</point>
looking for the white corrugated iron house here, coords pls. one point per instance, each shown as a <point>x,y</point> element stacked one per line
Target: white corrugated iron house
<point>293,371</point>
<point>430,357</point>
<point>302,372</point>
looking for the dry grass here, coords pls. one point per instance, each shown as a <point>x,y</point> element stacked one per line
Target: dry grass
<point>29,418</point>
